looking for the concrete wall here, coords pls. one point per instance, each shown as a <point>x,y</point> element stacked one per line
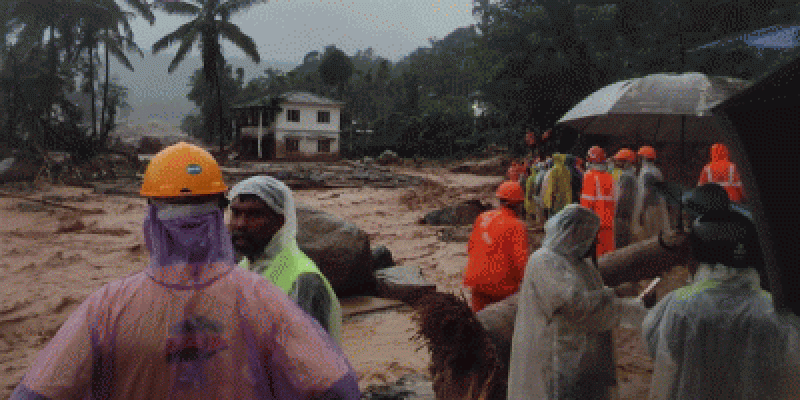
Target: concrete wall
<point>307,145</point>
<point>308,118</point>
<point>308,131</point>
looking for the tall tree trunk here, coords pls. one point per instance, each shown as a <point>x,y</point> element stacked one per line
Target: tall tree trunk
<point>103,128</point>
<point>53,69</point>
<point>219,99</point>
<point>91,88</point>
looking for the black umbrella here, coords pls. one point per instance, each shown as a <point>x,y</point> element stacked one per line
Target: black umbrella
<point>665,107</point>
<point>760,127</point>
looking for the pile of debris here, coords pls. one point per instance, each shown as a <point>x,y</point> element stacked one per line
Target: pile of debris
<point>495,166</point>
<point>346,174</point>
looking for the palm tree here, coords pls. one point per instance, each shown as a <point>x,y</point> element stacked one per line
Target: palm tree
<point>211,21</point>
<point>64,21</point>
<point>105,22</point>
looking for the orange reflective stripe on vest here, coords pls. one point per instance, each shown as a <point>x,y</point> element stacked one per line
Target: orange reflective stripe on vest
<point>598,195</point>
<point>724,174</point>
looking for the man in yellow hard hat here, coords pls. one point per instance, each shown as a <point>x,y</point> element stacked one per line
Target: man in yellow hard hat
<point>192,325</point>
<point>497,249</point>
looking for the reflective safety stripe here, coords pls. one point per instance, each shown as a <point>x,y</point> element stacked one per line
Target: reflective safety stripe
<point>731,178</point>
<point>587,197</point>
<point>729,183</point>
<point>486,237</point>
<point>600,192</point>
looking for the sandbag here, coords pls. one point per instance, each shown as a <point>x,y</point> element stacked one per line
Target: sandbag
<point>340,249</point>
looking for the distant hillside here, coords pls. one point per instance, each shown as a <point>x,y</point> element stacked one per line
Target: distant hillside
<point>156,95</point>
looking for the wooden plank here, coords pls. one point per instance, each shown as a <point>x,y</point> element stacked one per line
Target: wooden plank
<point>365,304</point>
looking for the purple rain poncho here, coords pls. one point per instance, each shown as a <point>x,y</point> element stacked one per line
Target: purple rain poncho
<point>191,326</point>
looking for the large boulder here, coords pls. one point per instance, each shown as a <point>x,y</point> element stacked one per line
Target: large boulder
<point>340,249</point>
<point>463,213</point>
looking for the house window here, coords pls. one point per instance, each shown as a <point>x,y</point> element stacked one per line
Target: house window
<point>324,146</point>
<point>293,115</point>
<point>324,117</point>
<point>292,145</point>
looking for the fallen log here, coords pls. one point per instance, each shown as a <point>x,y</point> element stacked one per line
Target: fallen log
<point>644,260</point>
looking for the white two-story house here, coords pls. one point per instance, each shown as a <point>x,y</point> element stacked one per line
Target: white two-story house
<point>305,128</point>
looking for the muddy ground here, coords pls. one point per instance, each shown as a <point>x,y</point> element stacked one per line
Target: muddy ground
<point>52,258</point>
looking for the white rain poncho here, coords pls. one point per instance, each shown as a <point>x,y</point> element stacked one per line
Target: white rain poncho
<point>279,198</point>
<point>562,346</point>
<point>720,338</point>
<point>650,213</point>
<point>625,200</point>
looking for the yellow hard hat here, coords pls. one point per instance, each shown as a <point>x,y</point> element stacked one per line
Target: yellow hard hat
<point>182,170</point>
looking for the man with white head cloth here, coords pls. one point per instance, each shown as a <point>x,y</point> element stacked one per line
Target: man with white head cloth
<point>263,226</point>
<point>561,348</point>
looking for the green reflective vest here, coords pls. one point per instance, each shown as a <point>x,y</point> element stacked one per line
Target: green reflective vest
<point>283,271</point>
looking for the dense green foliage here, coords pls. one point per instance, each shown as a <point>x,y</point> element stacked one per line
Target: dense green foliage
<point>523,63</point>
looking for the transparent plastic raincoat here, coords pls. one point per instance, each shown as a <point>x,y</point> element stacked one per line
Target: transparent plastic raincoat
<point>625,199</point>
<point>562,346</point>
<point>190,326</point>
<point>650,213</point>
<point>720,338</point>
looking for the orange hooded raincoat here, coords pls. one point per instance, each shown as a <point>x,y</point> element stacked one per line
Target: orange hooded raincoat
<point>598,196</point>
<point>723,172</point>
<point>498,252</point>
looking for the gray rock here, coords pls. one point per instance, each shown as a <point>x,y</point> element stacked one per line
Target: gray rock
<point>381,258</point>
<point>340,249</point>
<point>463,213</point>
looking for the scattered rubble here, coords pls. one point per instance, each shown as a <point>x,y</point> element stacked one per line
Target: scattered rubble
<point>495,166</point>
<point>389,157</point>
<point>408,387</point>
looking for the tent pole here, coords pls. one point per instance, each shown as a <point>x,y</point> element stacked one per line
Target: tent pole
<point>683,163</point>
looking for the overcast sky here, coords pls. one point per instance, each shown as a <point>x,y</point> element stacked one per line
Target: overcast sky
<point>286,30</point>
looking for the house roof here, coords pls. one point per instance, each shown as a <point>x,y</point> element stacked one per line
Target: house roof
<point>292,97</point>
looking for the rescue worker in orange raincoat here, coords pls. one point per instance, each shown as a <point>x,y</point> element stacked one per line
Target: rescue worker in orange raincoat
<point>498,249</point>
<point>598,196</point>
<point>722,172</point>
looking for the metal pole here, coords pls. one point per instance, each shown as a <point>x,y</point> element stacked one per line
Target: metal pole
<point>683,163</point>
<point>260,133</point>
